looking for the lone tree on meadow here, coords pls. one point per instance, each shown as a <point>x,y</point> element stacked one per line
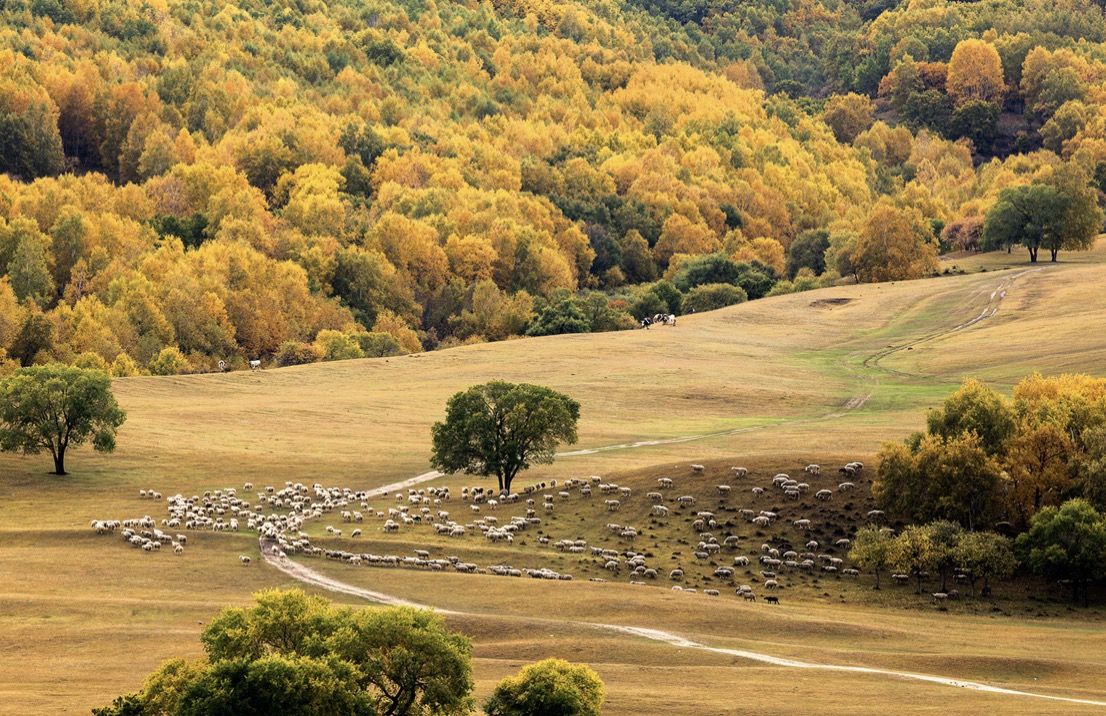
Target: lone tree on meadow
<point>501,428</point>
<point>55,407</point>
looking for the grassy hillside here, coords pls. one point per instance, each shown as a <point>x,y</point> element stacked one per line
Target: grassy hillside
<point>816,377</point>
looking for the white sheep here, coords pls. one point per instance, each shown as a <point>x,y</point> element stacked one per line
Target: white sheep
<point>244,560</point>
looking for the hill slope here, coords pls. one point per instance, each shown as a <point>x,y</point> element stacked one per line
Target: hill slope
<point>821,376</point>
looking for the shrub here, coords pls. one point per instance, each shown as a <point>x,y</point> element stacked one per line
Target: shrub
<point>170,361</point>
<point>296,353</point>
<point>552,687</point>
<point>713,295</point>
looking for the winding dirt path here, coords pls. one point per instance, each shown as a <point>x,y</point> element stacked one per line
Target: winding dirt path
<point>308,575</point>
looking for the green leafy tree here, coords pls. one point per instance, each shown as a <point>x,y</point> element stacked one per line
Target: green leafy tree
<point>808,250</point>
<point>560,316</point>
<point>978,409</point>
<point>1092,470</point>
<point>706,269</point>
<point>290,686</point>
<point>297,654</point>
<point>169,361</point>
<point>55,407</point>
<point>1059,212</point>
<point>1068,543</point>
<point>978,121</point>
<point>986,556</point>
<point>946,537</point>
<point>552,687</point>
<point>871,549</point>
<point>35,336</point>
<point>501,428</point>
<point>914,552</point>
<point>601,316</point>
<point>931,478</point>
<point>711,296</point>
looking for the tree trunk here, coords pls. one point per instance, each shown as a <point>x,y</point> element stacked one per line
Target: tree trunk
<point>59,462</point>
<point>919,576</point>
<point>1032,254</point>
<point>1054,252</point>
<point>877,578</point>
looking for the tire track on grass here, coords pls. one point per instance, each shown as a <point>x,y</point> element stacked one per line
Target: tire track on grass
<point>307,575</point>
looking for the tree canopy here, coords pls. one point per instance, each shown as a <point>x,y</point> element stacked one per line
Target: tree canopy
<point>296,654</point>
<point>552,687</point>
<point>501,428</point>
<point>1057,212</point>
<point>53,408</point>
<point>1067,543</point>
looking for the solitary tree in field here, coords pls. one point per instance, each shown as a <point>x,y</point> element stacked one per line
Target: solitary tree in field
<point>55,407</point>
<point>502,428</point>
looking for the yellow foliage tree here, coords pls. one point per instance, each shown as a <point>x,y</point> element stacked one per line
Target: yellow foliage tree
<point>975,73</point>
<point>891,247</point>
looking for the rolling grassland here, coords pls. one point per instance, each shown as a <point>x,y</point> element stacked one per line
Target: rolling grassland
<point>823,377</point>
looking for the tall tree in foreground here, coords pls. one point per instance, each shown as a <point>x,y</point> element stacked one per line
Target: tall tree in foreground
<point>56,407</point>
<point>501,428</point>
<point>297,655</point>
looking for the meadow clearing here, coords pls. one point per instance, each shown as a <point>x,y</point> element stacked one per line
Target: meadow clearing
<point>822,376</point>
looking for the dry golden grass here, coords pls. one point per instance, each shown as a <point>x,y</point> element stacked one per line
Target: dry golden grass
<point>774,384</point>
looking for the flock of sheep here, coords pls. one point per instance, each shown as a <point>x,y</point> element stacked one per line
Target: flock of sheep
<point>279,517</point>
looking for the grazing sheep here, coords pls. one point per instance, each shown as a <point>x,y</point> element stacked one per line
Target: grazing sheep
<point>939,597</point>
<point>772,600</point>
<point>660,510</point>
<point>739,471</point>
<point>355,533</point>
<point>723,490</point>
<point>698,469</point>
<point>748,596</point>
<point>710,592</point>
<point>676,574</point>
<point>813,469</point>
<point>845,486</point>
<point>758,491</point>
<point>664,482</point>
<point>824,494</point>
<point>770,584</point>
<point>178,548</point>
<point>245,560</point>
<point>741,561</point>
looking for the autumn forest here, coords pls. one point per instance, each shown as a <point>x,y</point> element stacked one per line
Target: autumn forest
<point>189,181</point>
